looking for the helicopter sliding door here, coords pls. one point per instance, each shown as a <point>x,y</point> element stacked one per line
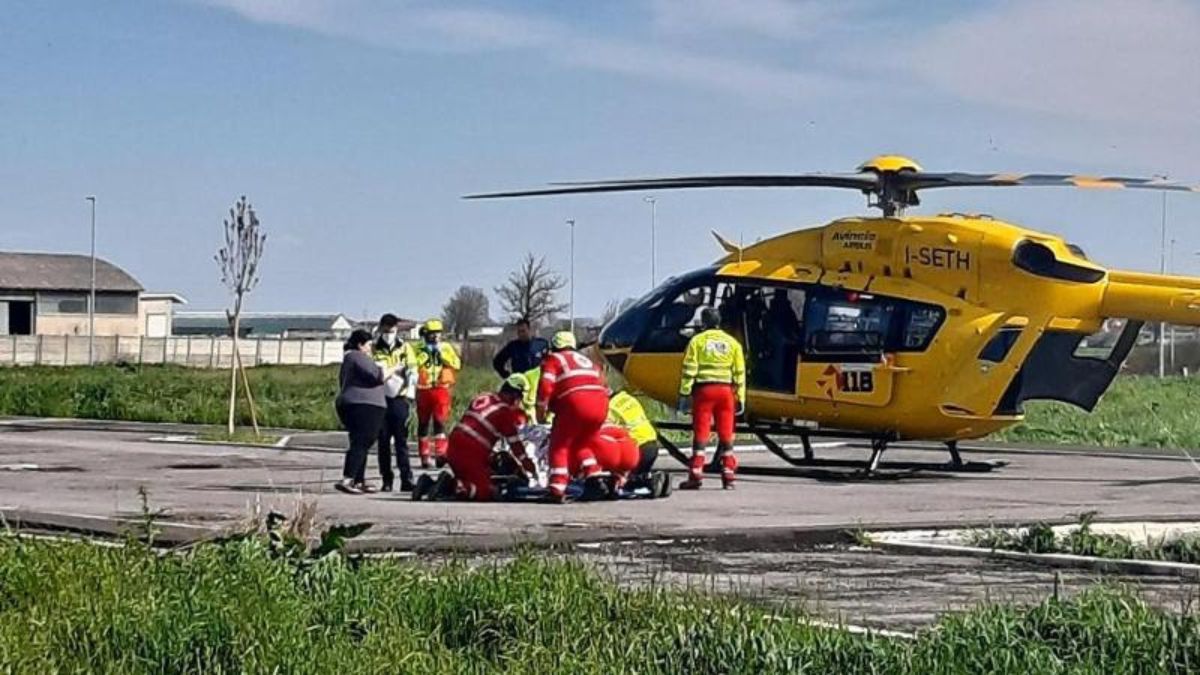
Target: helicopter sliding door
<point>850,342</point>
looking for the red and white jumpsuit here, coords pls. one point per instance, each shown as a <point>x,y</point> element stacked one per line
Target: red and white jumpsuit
<point>616,452</point>
<point>488,419</point>
<point>572,388</point>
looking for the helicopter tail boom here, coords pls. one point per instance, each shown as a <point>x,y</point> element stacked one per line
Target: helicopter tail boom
<point>1152,297</point>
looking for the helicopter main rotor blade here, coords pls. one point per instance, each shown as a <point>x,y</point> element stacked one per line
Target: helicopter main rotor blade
<point>857,181</point>
<point>925,180</point>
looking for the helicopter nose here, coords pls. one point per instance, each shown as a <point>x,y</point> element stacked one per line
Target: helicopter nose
<point>620,336</point>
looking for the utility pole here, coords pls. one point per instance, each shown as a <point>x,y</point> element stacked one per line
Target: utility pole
<point>653,202</point>
<point>1171,267</point>
<point>571,223</point>
<point>92,296</point>
<point>1162,266</point>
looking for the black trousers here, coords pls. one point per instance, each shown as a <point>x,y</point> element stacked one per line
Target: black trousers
<point>362,424</point>
<point>649,454</point>
<point>395,426</point>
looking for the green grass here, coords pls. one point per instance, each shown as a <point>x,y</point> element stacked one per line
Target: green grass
<point>243,607</point>
<point>1083,540</point>
<point>1138,411</point>
<point>291,397</point>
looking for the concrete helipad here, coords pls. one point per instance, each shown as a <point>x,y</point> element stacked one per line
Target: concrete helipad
<point>87,479</point>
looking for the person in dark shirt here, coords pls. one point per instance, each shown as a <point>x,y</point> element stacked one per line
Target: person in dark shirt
<point>522,354</point>
<point>360,407</point>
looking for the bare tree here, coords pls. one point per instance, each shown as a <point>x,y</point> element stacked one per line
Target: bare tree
<point>613,309</point>
<point>531,292</point>
<point>465,311</point>
<point>238,260</point>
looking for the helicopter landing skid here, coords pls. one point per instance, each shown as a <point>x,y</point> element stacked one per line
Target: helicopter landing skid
<point>812,466</point>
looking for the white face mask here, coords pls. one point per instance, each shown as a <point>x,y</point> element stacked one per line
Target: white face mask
<point>390,337</point>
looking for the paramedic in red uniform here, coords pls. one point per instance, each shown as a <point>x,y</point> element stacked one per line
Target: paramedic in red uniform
<point>573,389</point>
<point>616,452</point>
<point>488,419</point>
<point>713,386</point>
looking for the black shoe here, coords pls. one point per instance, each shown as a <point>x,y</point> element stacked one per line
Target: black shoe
<point>366,488</point>
<point>422,488</point>
<point>660,485</point>
<point>596,488</point>
<point>386,487</point>
<point>690,484</point>
<point>443,488</point>
<point>406,485</point>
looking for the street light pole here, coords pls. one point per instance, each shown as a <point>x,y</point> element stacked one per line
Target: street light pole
<point>1171,267</point>
<point>571,223</point>
<point>1162,266</point>
<point>92,295</point>
<point>653,202</point>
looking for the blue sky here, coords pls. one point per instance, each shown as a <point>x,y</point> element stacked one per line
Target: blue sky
<point>355,125</point>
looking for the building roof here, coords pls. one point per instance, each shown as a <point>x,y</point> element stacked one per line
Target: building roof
<point>262,323</point>
<point>61,272</point>
<point>175,298</point>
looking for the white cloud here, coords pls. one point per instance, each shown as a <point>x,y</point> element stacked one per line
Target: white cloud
<point>752,81</point>
<point>780,19</point>
<point>1103,60</point>
<point>445,27</point>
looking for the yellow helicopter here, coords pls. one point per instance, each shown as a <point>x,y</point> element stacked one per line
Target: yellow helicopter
<point>897,327</point>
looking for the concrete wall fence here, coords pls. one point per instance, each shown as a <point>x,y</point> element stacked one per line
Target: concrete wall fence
<point>195,351</point>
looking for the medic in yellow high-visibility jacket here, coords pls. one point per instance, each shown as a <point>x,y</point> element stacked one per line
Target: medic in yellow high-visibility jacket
<point>713,387</point>
<point>437,365</point>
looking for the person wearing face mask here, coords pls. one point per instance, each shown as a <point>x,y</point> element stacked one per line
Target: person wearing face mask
<point>437,365</point>
<point>394,356</point>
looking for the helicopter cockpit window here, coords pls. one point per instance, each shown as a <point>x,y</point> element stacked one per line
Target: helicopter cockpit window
<point>677,319</point>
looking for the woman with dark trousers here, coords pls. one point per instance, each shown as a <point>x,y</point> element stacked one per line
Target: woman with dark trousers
<point>360,406</point>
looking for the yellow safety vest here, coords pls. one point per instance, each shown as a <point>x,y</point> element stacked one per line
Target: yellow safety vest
<point>714,357</point>
<point>430,374</point>
<point>393,357</point>
<point>627,411</point>
<point>529,400</point>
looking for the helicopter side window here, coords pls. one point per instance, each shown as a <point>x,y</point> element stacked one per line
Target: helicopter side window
<point>997,349</point>
<point>847,326</point>
<point>922,324</point>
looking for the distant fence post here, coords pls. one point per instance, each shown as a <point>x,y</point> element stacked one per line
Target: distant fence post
<point>258,351</point>
<point>302,344</point>
<point>66,350</point>
<point>14,350</point>
<point>116,348</point>
<point>324,344</point>
<point>279,352</point>
<point>213,348</point>
<point>37,350</point>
